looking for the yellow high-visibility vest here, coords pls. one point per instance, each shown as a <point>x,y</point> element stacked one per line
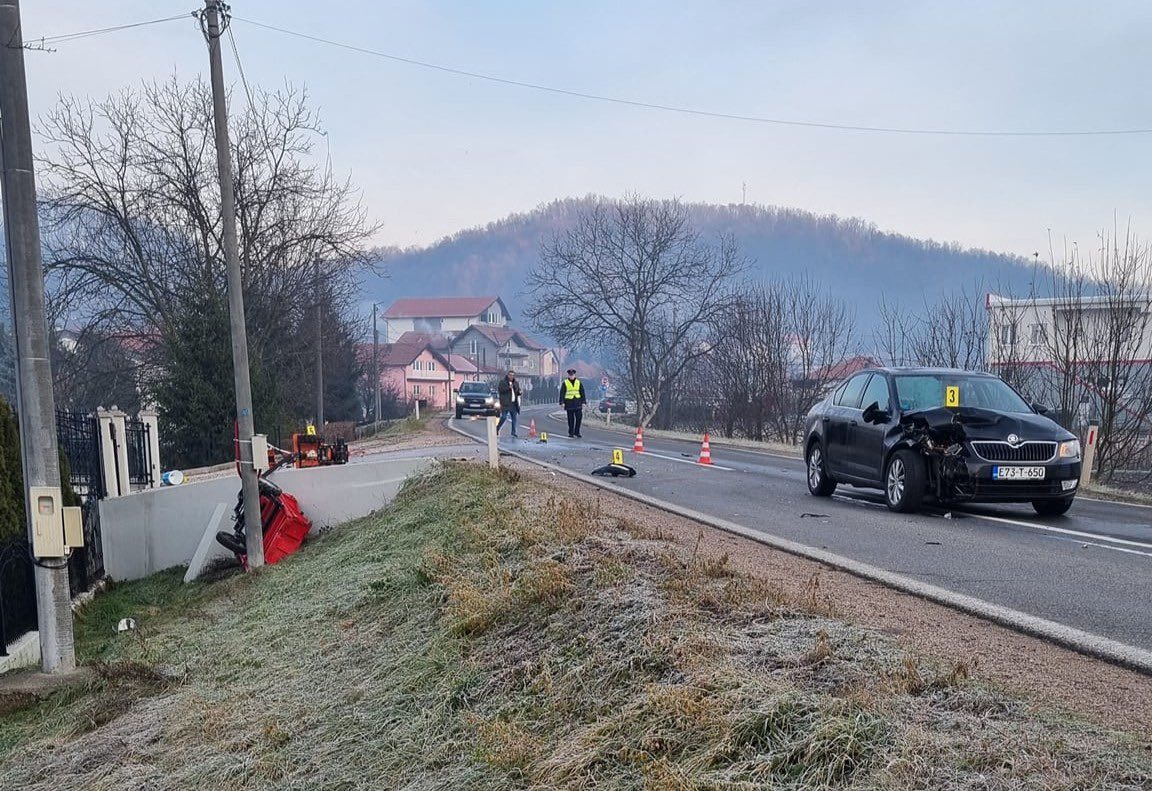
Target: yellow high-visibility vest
<point>571,389</point>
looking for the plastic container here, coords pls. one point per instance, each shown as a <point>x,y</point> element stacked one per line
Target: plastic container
<point>172,478</point>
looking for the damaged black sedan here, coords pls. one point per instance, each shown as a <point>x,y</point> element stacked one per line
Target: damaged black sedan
<point>949,435</point>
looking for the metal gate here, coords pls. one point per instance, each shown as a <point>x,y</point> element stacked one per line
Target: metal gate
<point>139,453</point>
<point>79,438</point>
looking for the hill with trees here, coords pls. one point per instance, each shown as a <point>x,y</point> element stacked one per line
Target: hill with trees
<point>853,258</point>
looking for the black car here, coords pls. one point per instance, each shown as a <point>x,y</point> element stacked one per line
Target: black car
<point>617,406</point>
<point>476,398</point>
<point>955,436</point>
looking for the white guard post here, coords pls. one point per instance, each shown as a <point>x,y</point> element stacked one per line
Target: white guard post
<point>493,449</point>
<point>1088,454</point>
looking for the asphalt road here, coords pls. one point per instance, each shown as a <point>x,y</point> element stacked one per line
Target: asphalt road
<point>1090,569</point>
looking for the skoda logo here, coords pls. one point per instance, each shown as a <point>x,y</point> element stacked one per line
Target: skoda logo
<point>1013,439</point>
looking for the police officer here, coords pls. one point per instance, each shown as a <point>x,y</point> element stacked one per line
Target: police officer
<point>572,399</point>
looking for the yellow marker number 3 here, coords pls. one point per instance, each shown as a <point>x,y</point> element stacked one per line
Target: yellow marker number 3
<point>952,396</point>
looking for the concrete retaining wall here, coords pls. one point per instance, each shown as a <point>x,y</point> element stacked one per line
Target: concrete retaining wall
<point>157,529</point>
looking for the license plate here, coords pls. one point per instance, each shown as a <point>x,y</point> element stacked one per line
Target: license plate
<point>1017,473</point>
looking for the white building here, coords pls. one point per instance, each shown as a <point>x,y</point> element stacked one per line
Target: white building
<point>442,315</point>
<point>1086,329</point>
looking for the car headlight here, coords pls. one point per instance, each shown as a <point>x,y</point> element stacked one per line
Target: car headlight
<point>459,399</point>
<point>1070,449</point>
<point>490,401</point>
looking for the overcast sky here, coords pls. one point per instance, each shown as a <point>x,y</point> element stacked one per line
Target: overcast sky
<point>435,152</point>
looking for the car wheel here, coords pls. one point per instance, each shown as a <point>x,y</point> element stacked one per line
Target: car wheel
<point>820,483</point>
<point>904,481</point>
<point>1052,507</point>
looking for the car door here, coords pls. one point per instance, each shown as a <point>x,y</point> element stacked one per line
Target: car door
<point>838,421</point>
<point>866,440</point>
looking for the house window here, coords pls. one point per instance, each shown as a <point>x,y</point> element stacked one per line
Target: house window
<point>473,347</point>
<point>1008,335</point>
<point>431,366</point>
<point>415,389</point>
<point>1038,334</point>
<point>415,365</point>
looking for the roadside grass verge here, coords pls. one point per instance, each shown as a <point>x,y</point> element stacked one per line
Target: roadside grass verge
<point>485,633</point>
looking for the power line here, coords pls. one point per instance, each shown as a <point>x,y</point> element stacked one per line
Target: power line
<point>695,111</point>
<point>68,37</point>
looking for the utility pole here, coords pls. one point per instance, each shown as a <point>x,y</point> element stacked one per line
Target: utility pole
<point>35,402</point>
<point>319,349</point>
<point>249,485</point>
<point>375,367</point>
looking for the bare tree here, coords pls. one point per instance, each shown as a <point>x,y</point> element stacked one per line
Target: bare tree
<point>133,231</point>
<point>951,332</point>
<point>820,334</point>
<point>633,277</point>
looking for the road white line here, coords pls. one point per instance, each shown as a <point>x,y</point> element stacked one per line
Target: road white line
<point>1102,546</point>
<point>684,461</point>
<point>1061,530</point>
<point>1112,502</point>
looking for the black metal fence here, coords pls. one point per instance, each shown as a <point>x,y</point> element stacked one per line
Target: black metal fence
<point>78,435</point>
<point>79,438</point>
<point>17,592</point>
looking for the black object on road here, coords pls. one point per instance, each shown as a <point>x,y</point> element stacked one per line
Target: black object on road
<point>615,470</point>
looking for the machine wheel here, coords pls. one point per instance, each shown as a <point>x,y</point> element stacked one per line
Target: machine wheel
<point>820,483</point>
<point>904,481</point>
<point>1052,507</point>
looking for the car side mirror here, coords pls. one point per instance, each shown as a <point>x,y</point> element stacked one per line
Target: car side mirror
<point>1040,409</point>
<point>874,414</point>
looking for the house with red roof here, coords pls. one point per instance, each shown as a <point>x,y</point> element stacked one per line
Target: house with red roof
<point>442,315</point>
<point>417,370</point>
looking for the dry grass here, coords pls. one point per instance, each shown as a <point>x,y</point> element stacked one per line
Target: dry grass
<point>482,635</point>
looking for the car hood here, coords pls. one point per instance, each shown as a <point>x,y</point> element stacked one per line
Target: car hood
<point>988,424</point>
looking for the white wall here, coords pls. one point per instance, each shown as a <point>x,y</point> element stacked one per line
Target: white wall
<point>156,529</point>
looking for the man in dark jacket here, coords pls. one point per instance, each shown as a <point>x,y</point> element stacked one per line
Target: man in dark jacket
<point>572,399</point>
<point>509,391</point>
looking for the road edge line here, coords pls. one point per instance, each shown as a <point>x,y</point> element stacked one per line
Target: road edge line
<point>1082,642</point>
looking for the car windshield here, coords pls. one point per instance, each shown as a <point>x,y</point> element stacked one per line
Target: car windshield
<point>928,391</point>
<point>473,388</point>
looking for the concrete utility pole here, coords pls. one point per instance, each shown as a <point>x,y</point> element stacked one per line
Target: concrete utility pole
<point>34,400</point>
<point>319,350</point>
<point>253,527</point>
<point>375,366</point>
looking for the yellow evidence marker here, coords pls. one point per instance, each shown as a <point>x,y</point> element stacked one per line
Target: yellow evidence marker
<point>952,396</point>
<point>617,456</point>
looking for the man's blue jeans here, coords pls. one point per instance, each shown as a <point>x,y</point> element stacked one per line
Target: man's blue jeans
<point>508,414</point>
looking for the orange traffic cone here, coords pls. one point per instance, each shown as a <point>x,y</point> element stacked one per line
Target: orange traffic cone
<point>638,445</point>
<point>705,451</point>
<point>532,428</point>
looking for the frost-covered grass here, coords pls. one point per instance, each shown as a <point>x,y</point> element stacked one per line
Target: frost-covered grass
<point>483,634</point>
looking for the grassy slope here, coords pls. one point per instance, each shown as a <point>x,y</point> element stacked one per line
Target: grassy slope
<point>477,636</point>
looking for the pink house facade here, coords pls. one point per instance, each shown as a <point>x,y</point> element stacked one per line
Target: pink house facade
<point>417,372</point>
